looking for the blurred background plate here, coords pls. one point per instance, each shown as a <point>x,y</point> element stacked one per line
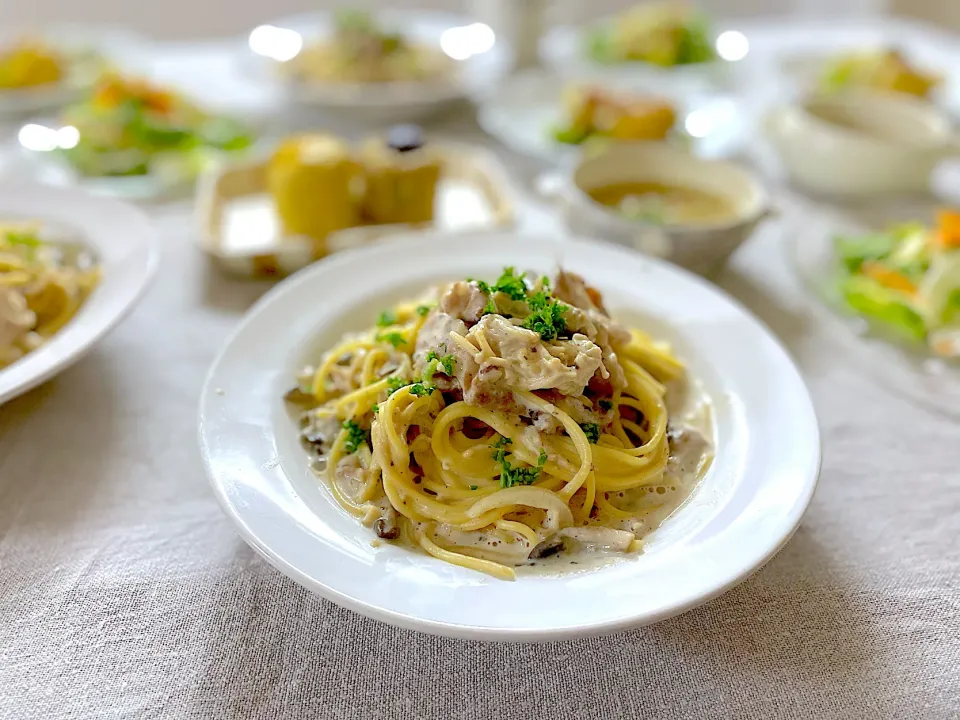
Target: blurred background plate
<point>481,58</point>
<point>529,104</point>
<point>89,47</point>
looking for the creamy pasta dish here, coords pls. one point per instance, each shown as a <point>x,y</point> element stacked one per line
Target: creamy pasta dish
<point>42,286</point>
<point>495,424</point>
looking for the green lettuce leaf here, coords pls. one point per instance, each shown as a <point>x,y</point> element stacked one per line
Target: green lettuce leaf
<point>888,307</point>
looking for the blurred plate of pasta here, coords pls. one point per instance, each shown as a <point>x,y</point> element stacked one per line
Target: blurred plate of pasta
<point>71,267</point>
<point>404,429</point>
<point>386,66</point>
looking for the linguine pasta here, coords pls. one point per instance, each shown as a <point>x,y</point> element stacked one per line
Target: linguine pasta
<point>39,290</point>
<point>497,424</point>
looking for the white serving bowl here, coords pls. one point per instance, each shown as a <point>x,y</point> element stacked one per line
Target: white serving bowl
<point>700,247</point>
<point>861,143</point>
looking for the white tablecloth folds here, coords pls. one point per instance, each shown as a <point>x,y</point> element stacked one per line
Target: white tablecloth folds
<point>126,593</point>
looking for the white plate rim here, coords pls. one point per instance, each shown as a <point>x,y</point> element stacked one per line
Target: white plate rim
<point>125,242</point>
<point>236,504</point>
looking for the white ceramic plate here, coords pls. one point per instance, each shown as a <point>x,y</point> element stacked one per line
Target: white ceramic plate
<point>400,101</point>
<point>562,50</point>
<point>123,241</point>
<point>909,370</point>
<point>528,105</point>
<point>745,509</point>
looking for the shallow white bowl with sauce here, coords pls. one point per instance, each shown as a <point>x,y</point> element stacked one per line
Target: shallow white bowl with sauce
<point>701,244</point>
<point>121,240</point>
<point>743,510</point>
<point>861,143</point>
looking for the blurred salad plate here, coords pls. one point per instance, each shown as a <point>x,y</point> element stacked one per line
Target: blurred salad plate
<point>133,138</point>
<point>42,71</point>
<point>391,65</point>
<point>653,42</point>
<point>894,291</point>
<point>539,114</point>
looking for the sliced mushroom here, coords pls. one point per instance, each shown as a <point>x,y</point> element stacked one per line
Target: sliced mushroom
<point>298,398</point>
<point>547,548</point>
<point>386,526</point>
<point>609,538</point>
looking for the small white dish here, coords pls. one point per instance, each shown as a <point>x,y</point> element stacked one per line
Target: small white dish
<point>861,143</point>
<point>529,104</point>
<point>698,247</point>
<point>123,242</point>
<point>481,61</point>
<point>744,510</point>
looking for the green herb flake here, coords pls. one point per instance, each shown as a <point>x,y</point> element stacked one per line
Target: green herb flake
<point>511,284</point>
<point>375,408</point>
<point>356,436</point>
<point>592,431</point>
<point>26,239</point>
<point>421,389</point>
<point>386,319</point>
<point>474,487</point>
<point>394,383</point>
<point>422,310</point>
<point>394,338</point>
<point>511,476</point>
<point>547,321</point>
<point>436,363</point>
<point>605,405</point>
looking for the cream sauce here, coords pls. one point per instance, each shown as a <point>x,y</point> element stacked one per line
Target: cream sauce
<point>650,506</point>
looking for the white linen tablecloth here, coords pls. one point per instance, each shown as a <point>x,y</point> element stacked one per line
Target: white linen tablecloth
<point>126,593</point>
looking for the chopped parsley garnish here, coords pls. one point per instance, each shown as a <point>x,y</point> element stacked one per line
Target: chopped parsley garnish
<point>394,383</point>
<point>422,310</point>
<point>375,408</point>
<point>420,389</point>
<point>511,285</point>
<point>605,405</point>
<point>356,436</point>
<point>474,487</point>
<point>446,363</point>
<point>511,476</point>
<point>591,430</point>
<point>547,319</point>
<point>386,319</point>
<point>394,338</point>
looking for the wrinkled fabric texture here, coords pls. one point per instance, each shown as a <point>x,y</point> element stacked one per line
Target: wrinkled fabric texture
<point>126,593</point>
